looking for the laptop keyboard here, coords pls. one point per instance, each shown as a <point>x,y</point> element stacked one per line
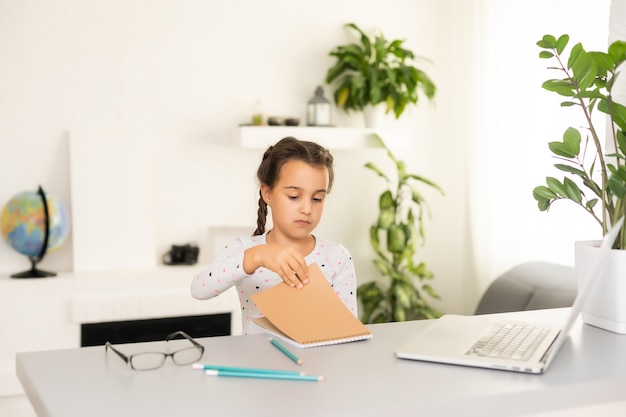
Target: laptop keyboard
<point>509,341</point>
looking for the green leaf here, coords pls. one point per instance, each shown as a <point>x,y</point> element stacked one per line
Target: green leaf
<point>374,241</point>
<point>617,110</point>
<point>547,42</point>
<point>403,295</point>
<point>591,203</point>
<point>617,181</point>
<point>572,190</point>
<point>602,60</point>
<point>385,201</point>
<point>585,70</point>
<point>575,53</point>
<point>571,169</point>
<point>570,147</point>
<point>425,181</point>
<point>545,54</point>
<point>617,51</point>
<point>589,94</point>
<point>561,87</point>
<point>370,292</point>
<point>556,186</point>
<point>617,187</point>
<point>372,298</point>
<point>572,138</point>
<point>396,238</point>
<point>383,267</point>
<point>377,170</point>
<point>621,141</point>
<point>544,205</point>
<point>386,218</point>
<point>543,193</point>
<point>399,314</point>
<point>430,291</point>
<point>561,43</point>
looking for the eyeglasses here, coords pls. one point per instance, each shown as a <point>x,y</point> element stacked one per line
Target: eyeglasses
<point>146,361</point>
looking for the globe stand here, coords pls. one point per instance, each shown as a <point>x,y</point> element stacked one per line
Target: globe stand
<point>34,272</point>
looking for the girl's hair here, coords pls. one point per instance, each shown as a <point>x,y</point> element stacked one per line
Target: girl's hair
<point>288,149</point>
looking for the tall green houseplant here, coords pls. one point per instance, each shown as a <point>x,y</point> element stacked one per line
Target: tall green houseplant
<point>595,179</point>
<point>395,237</point>
<point>377,71</point>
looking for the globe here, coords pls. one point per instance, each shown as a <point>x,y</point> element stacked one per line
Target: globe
<point>23,227</point>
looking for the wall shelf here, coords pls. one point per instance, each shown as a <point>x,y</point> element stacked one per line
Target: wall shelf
<point>260,137</point>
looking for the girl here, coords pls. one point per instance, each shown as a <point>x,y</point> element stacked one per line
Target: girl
<point>295,177</point>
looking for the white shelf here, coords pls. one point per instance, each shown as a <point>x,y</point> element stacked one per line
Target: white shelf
<point>260,137</point>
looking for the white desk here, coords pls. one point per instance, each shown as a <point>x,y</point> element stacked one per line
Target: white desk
<point>362,379</point>
<point>46,314</point>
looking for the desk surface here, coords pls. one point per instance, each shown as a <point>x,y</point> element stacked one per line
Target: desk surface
<point>361,379</point>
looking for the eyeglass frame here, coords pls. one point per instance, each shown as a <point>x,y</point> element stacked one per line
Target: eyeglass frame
<point>129,358</point>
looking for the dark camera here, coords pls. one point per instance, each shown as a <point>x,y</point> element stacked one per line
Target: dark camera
<point>182,255</point>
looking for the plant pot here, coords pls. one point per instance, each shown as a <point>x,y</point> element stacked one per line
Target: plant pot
<point>606,306</point>
<point>374,115</point>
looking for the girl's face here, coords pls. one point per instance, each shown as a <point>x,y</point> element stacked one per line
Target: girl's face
<point>297,200</point>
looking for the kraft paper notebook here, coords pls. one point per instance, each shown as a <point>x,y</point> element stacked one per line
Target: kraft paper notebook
<point>309,317</point>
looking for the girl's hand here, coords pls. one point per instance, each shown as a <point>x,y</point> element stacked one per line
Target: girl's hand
<point>286,261</point>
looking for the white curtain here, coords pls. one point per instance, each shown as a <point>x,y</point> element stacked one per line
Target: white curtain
<point>514,119</point>
<point>617,30</point>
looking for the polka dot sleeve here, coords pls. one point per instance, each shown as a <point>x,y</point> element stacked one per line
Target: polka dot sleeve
<point>222,273</point>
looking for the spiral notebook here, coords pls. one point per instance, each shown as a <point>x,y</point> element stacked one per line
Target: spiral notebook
<point>309,317</point>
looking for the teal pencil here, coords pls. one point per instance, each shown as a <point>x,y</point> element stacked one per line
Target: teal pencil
<point>215,372</point>
<point>285,351</point>
<point>240,369</point>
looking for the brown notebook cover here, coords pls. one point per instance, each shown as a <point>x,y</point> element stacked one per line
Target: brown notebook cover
<point>309,317</point>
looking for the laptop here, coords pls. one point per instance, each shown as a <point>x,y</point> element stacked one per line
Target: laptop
<point>474,340</point>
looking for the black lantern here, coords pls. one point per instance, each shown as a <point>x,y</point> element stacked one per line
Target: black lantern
<point>318,109</point>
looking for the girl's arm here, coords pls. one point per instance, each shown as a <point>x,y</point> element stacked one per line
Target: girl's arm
<point>221,274</point>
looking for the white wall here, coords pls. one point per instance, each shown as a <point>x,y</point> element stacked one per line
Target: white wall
<point>177,77</point>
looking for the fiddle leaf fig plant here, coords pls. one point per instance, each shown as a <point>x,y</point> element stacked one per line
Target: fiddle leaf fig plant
<point>395,237</point>
<point>595,178</point>
<point>377,71</point>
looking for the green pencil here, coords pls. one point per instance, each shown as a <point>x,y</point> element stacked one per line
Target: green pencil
<point>285,351</point>
<point>214,372</point>
<point>240,369</point>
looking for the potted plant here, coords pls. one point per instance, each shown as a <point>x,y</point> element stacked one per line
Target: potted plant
<point>395,237</point>
<point>376,71</point>
<point>595,174</point>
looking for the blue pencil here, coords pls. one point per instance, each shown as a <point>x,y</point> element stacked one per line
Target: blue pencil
<point>215,372</point>
<point>285,351</point>
<point>240,369</point>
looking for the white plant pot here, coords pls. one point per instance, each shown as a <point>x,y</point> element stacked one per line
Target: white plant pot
<point>606,306</point>
<point>374,115</point>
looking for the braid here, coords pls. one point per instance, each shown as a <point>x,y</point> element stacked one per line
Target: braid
<point>261,216</point>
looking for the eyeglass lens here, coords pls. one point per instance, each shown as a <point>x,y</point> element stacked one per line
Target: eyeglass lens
<point>153,360</point>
